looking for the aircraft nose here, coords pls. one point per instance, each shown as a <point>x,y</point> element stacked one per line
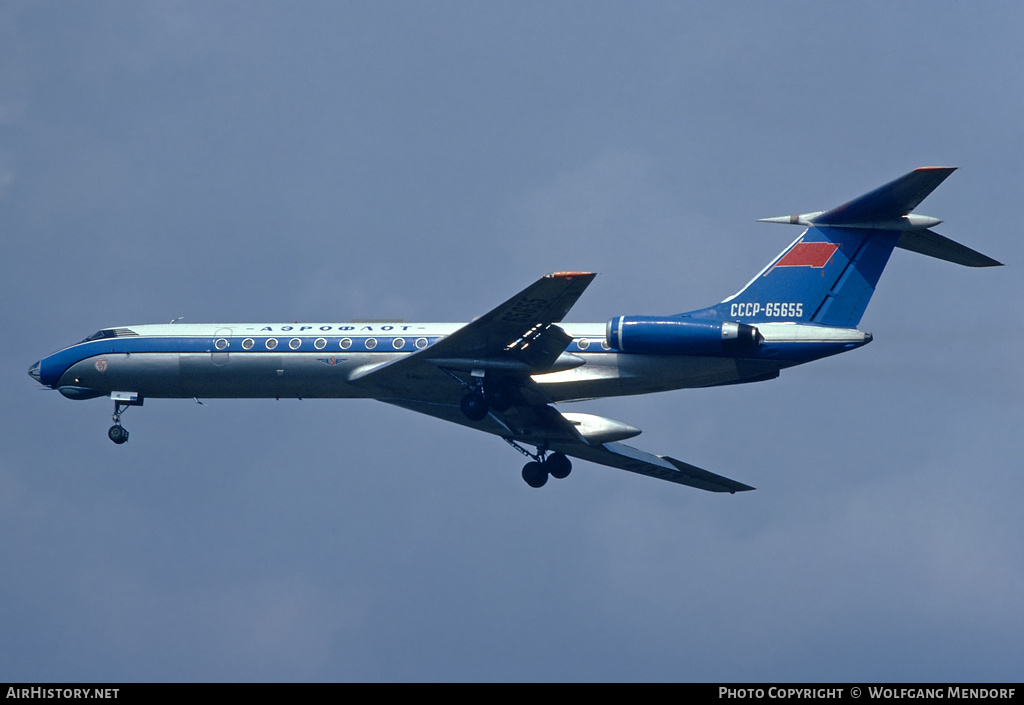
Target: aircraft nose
<point>33,372</point>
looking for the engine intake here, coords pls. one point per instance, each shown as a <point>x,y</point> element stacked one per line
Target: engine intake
<point>680,336</point>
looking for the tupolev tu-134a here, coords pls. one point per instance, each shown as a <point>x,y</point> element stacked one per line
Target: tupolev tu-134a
<point>504,372</point>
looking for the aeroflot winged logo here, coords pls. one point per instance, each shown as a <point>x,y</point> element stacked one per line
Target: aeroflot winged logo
<point>332,361</point>
<point>807,254</point>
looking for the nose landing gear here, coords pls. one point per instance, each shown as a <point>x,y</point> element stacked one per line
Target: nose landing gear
<point>118,433</point>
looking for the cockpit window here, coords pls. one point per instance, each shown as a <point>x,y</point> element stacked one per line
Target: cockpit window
<point>101,334</point>
<point>111,333</point>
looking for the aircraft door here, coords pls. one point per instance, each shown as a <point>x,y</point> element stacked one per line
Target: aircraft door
<point>221,347</point>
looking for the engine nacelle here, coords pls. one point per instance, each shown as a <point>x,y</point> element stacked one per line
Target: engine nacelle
<point>680,336</point>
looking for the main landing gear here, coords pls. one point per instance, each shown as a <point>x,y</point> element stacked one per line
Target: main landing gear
<point>474,406</point>
<point>556,465</point>
<point>482,398</point>
<point>536,472</point>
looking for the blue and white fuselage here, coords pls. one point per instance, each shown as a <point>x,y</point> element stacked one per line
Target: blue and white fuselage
<point>316,360</point>
<point>503,372</point>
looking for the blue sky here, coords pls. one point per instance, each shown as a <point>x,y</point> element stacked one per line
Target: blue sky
<point>325,161</point>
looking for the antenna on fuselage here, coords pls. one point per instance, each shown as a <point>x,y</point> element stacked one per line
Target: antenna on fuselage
<point>177,319</point>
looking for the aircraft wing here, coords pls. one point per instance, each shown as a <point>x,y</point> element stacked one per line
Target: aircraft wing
<point>532,310</point>
<point>520,337</point>
<point>544,423</point>
<point>517,339</point>
<point>662,467</point>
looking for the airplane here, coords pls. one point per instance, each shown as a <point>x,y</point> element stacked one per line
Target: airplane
<point>504,372</point>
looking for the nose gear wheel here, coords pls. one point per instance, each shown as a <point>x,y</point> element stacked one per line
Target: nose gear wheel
<point>118,433</point>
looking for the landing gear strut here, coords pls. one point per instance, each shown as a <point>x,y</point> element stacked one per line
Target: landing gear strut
<point>536,472</point>
<point>118,433</point>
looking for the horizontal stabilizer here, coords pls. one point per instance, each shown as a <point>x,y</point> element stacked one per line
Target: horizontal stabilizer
<point>886,208</point>
<point>929,242</point>
<point>894,200</point>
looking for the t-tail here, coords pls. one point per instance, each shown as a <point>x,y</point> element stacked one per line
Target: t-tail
<point>827,276</point>
<point>808,301</point>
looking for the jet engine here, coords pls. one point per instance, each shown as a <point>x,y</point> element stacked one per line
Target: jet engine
<point>680,336</point>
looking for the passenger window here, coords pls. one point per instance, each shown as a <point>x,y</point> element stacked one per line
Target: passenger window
<point>221,344</point>
<point>320,343</point>
<point>345,343</point>
<point>421,343</point>
<point>371,343</point>
<point>248,343</point>
<point>398,343</point>
<point>294,343</point>
<point>271,343</point>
